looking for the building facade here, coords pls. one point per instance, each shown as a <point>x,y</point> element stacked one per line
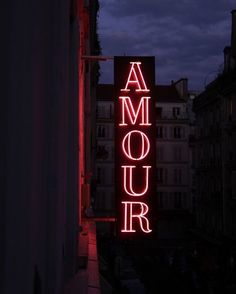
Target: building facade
<point>173,160</point>
<point>45,148</point>
<point>215,110</point>
<point>173,166</point>
<point>105,182</point>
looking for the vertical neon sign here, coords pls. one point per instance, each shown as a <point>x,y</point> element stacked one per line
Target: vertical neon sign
<point>135,144</point>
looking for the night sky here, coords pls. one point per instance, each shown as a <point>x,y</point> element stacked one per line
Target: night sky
<point>187,37</point>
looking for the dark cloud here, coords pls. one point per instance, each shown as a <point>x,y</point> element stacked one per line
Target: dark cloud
<point>187,11</point>
<point>186,37</point>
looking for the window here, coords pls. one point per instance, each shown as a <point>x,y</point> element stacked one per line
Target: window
<point>158,112</point>
<point>177,132</point>
<point>165,132</point>
<point>166,175</point>
<point>105,111</point>
<point>101,131</point>
<point>176,111</point>
<point>100,200</point>
<point>160,199</point>
<point>177,176</point>
<point>102,152</point>
<point>112,153</point>
<point>112,175</point>
<point>177,200</point>
<point>233,183</point>
<point>160,132</point>
<point>101,111</point>
<point>111,111</point>
<point>177,153</point>
<point>112,200</point>
<point>160,175</point>
<point>160,153</point>
<point>100,175</point>
<point>230,105</point>
<point>184,200</point>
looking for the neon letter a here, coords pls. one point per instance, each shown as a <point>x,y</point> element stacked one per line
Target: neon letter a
<point>136,77</point>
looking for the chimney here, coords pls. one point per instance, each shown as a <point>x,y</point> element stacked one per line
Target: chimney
<point>227,56</point>
<point>233,34</point>
<point>182,88</point>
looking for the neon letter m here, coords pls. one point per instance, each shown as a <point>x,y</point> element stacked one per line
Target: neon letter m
<point>128,111</point>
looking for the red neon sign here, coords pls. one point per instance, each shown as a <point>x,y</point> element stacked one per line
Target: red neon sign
<point>128,180</point>
<point>129,215</point>
<point>136,78</point>
<point>145,145</point>
<point>134,143</point>
<point>132,115</point>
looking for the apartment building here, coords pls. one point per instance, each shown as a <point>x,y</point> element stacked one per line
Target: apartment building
<point>215,144</point>
<point>173,161</point>
<point>105,181</point>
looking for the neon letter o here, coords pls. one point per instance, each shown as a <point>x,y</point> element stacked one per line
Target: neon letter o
<point>127,147</point>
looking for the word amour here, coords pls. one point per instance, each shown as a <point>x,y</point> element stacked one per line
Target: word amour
<point>135,212</point>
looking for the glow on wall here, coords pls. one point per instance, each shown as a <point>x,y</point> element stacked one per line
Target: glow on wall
<point>135,144</point>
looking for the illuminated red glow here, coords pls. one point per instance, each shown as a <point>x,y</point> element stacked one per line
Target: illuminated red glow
<point>128,180</point>
<point>138,79</point>
<point>135,213</point>
<point>132,115</point>
<point>126,145</point>
<point>129,215</point>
